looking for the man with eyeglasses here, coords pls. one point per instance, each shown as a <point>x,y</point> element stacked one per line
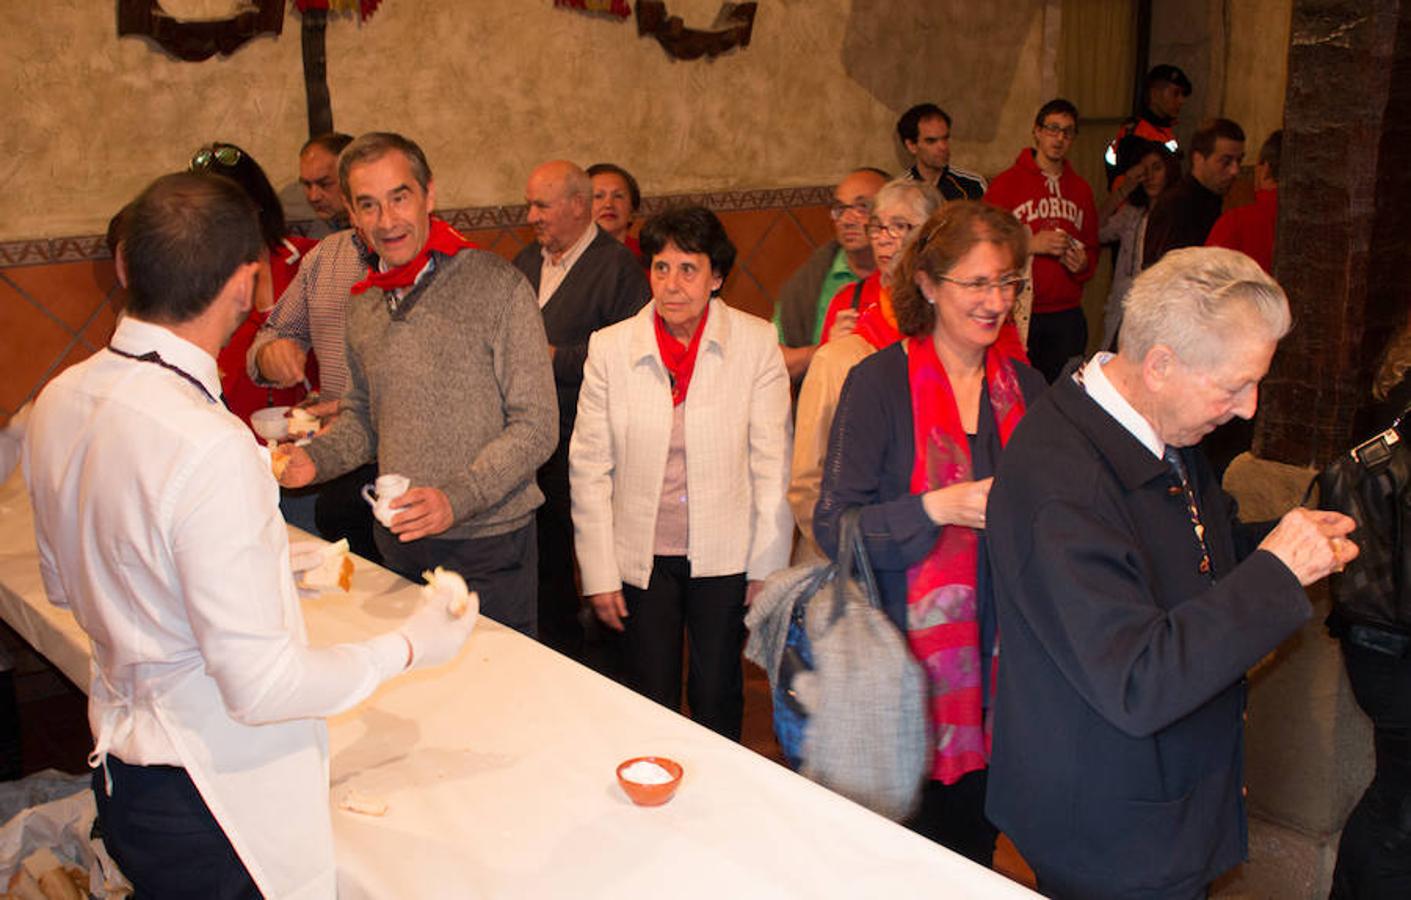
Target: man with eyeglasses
<point>803,300</point>
<point>1045,193</point>
<point>925,132</point>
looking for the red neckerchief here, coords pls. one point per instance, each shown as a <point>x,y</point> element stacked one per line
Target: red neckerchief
<point>442,238</point>
<point>679,359</point>
<point>942,623</point>
<point>878,323</point>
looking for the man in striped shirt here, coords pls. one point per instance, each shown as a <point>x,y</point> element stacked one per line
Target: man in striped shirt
<point>310,315</point>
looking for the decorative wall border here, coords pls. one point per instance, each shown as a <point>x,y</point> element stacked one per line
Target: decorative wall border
<point>46,251</point>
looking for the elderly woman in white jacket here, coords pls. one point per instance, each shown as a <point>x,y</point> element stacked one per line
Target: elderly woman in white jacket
<point>679,464</point>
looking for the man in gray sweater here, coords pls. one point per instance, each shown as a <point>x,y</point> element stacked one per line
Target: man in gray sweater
<point>450,386</point>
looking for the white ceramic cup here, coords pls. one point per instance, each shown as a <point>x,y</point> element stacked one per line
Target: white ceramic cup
<point>380,494</point>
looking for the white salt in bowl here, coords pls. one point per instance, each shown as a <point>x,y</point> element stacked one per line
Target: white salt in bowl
<point>654,792</point>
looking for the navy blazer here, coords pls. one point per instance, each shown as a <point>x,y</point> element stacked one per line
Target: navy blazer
<point>1118,745</point>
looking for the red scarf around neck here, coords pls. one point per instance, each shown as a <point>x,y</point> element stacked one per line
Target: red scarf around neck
<point>679,359</point>
<point>942,619</point>
<point>442,238</point>
<point>878,323</point>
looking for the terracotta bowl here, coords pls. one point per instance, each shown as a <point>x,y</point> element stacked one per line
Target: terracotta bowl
<point>651,794</point>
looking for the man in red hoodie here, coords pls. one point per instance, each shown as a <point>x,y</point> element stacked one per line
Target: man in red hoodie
<point>1044,192</point>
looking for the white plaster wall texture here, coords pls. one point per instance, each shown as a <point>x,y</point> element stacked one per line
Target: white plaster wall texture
<point>488,88</point>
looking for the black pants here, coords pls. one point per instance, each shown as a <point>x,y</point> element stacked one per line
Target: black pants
<point>712,613</point>
<point>1374,855</point>
<point>558,602</point>
<point>1055,338</point>
<point>953,815</point>
<point>162,835</point>
<point>502,568</point>
<point>341,512</point>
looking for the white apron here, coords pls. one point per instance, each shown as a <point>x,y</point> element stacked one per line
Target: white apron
<point>266,785</point>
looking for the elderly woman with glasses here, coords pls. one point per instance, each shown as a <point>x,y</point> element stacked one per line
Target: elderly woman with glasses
<point>918,431</point>
<point>678,465</point>
<point>277,269</point>
<point>861,320</point>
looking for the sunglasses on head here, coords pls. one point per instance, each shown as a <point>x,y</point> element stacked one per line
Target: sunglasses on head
<point>224,154</point>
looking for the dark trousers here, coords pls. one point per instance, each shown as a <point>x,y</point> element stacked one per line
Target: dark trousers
<point>341,512</point>
<point>1374,855</point>
<point>502,568</point>
<point>162,835</point>
<point>1055,338</point>
<point>1062,885</point>
<point>712,613</point>
<point>953,815</point>
<point>559,625</point>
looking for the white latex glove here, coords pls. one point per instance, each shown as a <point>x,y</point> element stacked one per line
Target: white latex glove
<point>435,634</point>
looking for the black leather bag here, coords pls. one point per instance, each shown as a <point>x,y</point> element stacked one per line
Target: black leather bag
<point>1372,484</point>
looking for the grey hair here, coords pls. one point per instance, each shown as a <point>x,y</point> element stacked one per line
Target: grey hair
<point>1193,299</point>
<point>373,146</point>
<point>923,198</point>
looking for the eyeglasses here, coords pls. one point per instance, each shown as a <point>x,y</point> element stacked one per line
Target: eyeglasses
<point>206,157</point>
<point>1068,131</point>
<point>896,230</point>
<point>1008,285</point>
<point>861,208</point>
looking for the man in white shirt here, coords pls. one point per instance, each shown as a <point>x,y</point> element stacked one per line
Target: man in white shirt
<point>585,279</point>
<point>157,523</point>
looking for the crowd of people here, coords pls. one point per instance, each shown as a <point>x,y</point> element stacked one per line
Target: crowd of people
<point>611,456</point>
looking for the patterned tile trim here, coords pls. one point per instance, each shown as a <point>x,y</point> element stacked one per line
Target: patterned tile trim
<point>76,249</point>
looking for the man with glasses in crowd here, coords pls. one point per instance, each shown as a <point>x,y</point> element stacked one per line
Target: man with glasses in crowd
<point>803,301</point>
<point>1044,192</point>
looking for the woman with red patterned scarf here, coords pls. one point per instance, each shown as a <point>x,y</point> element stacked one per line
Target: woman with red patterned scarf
<point>917,436</point>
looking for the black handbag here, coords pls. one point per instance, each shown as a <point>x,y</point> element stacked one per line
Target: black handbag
<point>1372,484</point>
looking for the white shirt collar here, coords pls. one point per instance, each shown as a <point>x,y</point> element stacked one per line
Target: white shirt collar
<point>570,256</point>
<point>1094,380</point>
<point>135,336</point>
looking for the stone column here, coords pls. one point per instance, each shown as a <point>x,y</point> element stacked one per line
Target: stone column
<point>1343,256</point>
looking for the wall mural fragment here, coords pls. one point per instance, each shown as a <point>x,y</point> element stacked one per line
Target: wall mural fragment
<point>732,28</point>
<point>196,40</point>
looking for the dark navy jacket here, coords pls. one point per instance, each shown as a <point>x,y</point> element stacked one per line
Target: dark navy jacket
<point>1118,746</point>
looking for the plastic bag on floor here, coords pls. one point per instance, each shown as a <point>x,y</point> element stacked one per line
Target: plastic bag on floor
<point>46,852</point>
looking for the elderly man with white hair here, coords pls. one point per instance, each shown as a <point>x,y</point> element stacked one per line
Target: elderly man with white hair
<point>1131,598</point>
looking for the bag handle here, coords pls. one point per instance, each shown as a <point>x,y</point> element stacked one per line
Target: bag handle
<point>852,556</point>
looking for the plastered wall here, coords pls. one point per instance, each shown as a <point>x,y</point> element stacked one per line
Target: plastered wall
<point>489,87</point>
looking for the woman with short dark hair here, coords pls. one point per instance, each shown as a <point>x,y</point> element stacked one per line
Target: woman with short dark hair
<point>678,465</point>
<point>915,440</point>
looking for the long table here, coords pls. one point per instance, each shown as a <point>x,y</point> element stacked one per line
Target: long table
<point>498,773</point>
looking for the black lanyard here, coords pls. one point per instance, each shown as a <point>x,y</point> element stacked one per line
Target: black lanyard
<point>152,356</point>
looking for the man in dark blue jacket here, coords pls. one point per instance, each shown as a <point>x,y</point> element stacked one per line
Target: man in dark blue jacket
<point>1131,599</point>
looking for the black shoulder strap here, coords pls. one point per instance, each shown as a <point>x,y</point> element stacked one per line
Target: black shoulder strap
<point>857,294</point>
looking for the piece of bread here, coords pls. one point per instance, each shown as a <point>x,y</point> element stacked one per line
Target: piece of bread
<point>442,582</point>
<point>362,804</point>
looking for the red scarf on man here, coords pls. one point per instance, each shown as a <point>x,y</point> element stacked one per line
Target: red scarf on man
<point>442,238</point>
<point>679,358</point>
<point>942,623</point>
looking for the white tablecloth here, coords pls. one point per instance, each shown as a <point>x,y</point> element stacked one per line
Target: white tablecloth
<point>498,772</point>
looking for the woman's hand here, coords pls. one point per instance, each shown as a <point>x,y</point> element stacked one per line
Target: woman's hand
<point>844,324</point>
<point>962,503</point>
<point>610,608</point>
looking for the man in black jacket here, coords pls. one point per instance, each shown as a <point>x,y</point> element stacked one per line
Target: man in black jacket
<point>585,280</point>
<point>1132,600</point>
<point>1184,213</point>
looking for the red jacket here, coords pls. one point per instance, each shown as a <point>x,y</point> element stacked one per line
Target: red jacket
<point>1041,202</point>
<point>1249,229</point>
